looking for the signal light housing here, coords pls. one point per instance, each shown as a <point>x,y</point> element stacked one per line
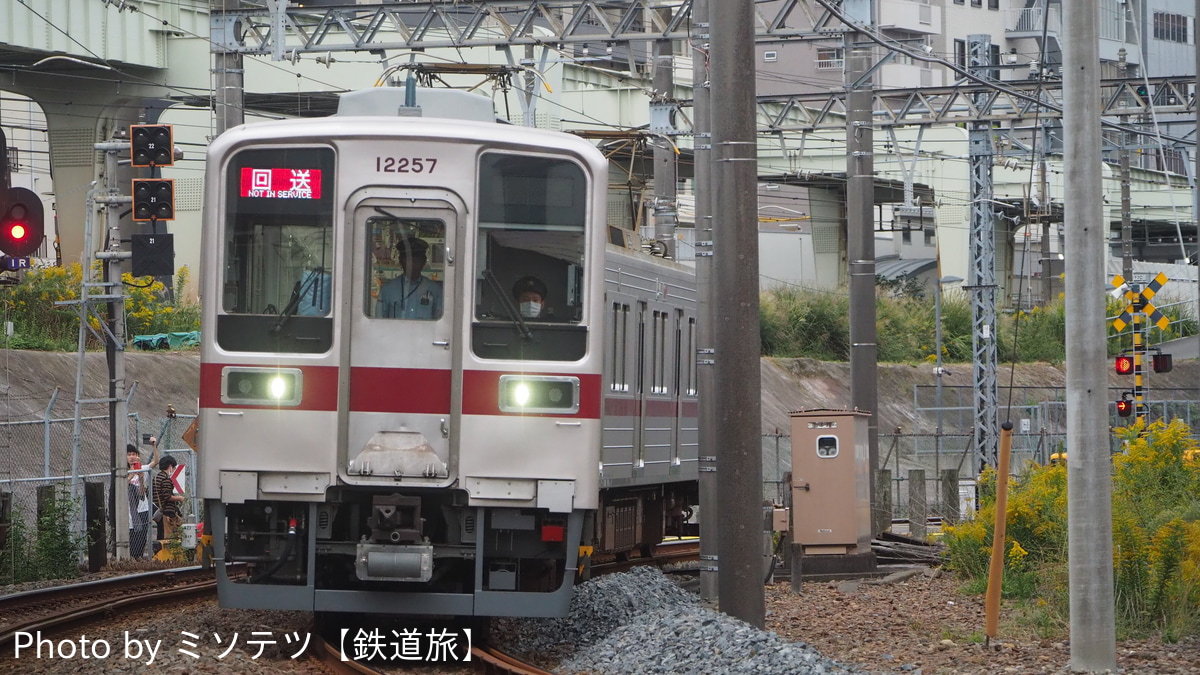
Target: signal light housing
<point>153,199</point>
<point>1124,364</point>
<point>1161,363</point>
<point>22,223</point>
<point>1125,407</point>
<point>151,145</point>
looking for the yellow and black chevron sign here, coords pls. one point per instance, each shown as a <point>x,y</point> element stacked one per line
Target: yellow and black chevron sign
<point>1156,317</point>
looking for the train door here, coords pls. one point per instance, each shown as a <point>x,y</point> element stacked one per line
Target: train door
<point>686,429</point>
<point>403,361</point>
<point>657,420</point>
<point>621,404</point>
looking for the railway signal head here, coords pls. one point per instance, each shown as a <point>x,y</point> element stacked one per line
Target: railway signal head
<point>153,199</point>
<point>1125,407</point>
<point>151,145</point>
<point>1161,363</point>
<point>1124,364</point>
<point>22,225</point>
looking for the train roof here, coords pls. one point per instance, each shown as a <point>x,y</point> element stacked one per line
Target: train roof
<point>350,125</point>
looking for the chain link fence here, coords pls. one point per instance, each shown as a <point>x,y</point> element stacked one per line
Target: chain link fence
<point>1039,433</point>
<point>37,453</point>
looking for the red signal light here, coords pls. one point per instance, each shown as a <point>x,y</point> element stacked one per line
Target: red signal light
<point>1124,407</point>
<point>21,223</point>
<point>1124,364</point>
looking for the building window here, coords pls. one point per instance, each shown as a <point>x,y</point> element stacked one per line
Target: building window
<point>994,4</point>
<point>960,53</point>
<point>960,2</point>
<point>771,56</point>
<point>1170,27</point>
<point>830,58</point>
<point>977,3</point>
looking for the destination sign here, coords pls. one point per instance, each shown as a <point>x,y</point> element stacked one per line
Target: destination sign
<point>281,183</point>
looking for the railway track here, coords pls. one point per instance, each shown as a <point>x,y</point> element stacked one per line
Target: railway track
<point>672,552</point>
<point>52,609</point>
<point>55,609</point>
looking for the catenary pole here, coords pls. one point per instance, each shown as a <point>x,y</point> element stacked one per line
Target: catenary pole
<point>860,249</point>
<point>735,279</point>
<point>229,75</point>
<point>1089,491</point>
<point>704,330</point>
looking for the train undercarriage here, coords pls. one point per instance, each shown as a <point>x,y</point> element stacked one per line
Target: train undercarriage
<point>428,552</point>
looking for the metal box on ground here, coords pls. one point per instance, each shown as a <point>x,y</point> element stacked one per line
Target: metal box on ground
<point>831,504</point>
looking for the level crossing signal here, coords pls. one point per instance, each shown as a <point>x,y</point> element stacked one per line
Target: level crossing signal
<point>1124,364</point>
<point>151,145</point>
<point>22,223</point>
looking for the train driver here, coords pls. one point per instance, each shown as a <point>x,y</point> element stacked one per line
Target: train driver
<point>410,295</point>
<point>530,295</point>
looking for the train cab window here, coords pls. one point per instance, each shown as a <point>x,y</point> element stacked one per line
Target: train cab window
<point>408,265</point>
<point>278,256</point>
<point>531,241</point>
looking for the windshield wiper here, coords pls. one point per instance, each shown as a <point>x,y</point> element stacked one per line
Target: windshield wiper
<point>513,314</point>
<point>314,276</point>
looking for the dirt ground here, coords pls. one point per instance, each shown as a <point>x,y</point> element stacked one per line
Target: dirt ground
<point>927,624</point>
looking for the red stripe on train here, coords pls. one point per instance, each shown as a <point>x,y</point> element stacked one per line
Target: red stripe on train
<point>481,394</point>
<point>397,390</point>
<point>408,390</point>
<point>320,387</point>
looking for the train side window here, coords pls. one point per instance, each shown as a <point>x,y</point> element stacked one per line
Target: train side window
<point>620,324</point>
<point>658,379</point>
<point>641,349</point>
<point>691,356</point>
<point>407,267</point>
<point>827,446</point>
<point>677,362</point>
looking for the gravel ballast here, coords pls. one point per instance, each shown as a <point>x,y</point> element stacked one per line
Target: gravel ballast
<point>642,622</point>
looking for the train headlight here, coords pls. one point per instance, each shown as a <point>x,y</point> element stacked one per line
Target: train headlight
<point>539,394</point>
<point>262,386</point>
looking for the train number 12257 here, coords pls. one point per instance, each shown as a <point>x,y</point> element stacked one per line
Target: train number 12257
<point>405,164</point>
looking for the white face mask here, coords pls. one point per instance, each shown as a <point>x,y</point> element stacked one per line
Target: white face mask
<point>531,310</point>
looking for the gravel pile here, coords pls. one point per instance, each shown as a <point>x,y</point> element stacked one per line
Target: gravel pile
<point>642,622</point>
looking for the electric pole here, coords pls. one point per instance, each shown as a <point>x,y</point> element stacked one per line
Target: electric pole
<point>735,288</point>
<point>1089,488</point>
<point>702,154</point>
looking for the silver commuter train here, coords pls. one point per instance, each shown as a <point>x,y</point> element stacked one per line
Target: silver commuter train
<point>382,430</point>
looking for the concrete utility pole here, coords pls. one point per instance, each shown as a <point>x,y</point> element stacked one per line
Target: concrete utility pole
<point>1196,173</point>
<point>860,248</point>
<point>665,165</point>
<point>735,277</point>
<point>228,70</point>
<point>702,154</point>
<point>1089,489</point>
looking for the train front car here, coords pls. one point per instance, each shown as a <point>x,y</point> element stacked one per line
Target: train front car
<point>390,422</point>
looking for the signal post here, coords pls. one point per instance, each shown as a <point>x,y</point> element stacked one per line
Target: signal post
<point>152,200</point>
<point>1140,313</point>
<point>22,218</point>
